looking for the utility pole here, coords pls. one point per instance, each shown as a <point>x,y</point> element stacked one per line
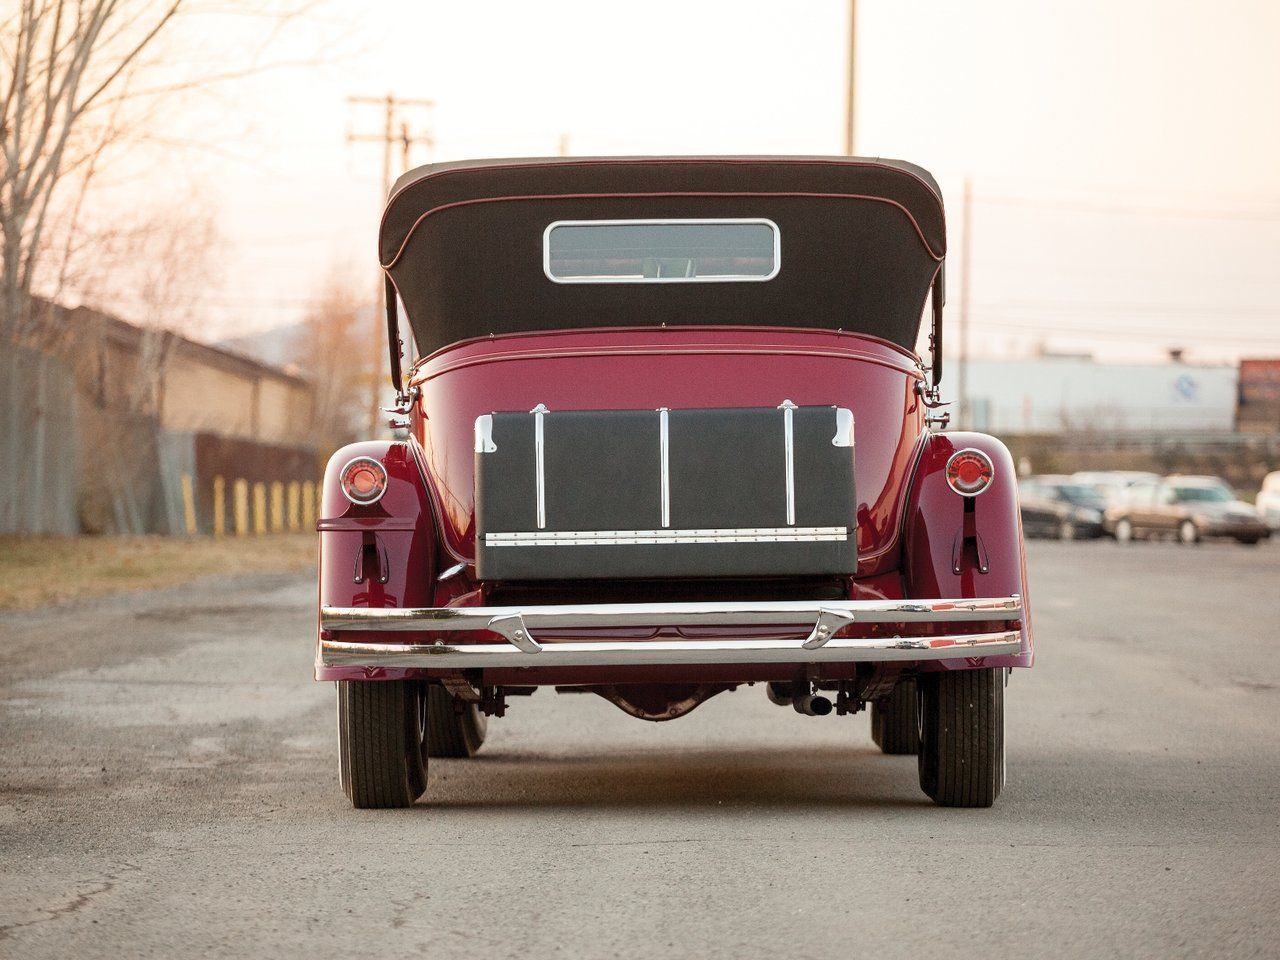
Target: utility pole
<point>964,419</point>
<point>850,140</point>
<point>390,137</point>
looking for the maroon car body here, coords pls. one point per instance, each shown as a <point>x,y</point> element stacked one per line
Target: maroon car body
<point>923,627</point>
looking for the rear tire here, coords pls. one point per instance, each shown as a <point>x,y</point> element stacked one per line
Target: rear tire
<point>381,760</point>
<point>451,733</point>
<point>961,758</point>
<point>895,725</point>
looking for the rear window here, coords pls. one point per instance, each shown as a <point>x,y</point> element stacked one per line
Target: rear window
<point>660,251</point>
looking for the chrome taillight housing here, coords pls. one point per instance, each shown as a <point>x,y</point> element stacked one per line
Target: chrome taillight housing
<point>364,481</point>
<point>969,472</point>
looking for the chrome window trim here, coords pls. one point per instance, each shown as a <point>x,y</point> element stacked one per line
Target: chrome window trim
<point>701,221</point>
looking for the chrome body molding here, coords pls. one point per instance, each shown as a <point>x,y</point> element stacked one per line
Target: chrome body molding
<point>438,655</point>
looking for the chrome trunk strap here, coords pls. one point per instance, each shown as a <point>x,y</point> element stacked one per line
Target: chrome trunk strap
<point>788,429</point>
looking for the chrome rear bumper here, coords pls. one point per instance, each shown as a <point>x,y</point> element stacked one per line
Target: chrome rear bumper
<point>520,628</point>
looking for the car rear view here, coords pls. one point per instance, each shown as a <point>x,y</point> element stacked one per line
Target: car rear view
<point>667,436</point>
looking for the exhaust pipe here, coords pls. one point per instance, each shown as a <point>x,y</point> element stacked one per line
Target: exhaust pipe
<point>811,705</point>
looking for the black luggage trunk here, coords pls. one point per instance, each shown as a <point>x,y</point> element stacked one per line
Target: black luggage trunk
<point>587,494</point>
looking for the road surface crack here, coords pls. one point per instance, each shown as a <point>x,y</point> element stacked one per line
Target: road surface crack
<point>77,903</point>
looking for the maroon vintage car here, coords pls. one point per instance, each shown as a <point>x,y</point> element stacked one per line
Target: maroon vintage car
<point>668,435</point>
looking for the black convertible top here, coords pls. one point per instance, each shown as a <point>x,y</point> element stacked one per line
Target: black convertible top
<point>862,240</point>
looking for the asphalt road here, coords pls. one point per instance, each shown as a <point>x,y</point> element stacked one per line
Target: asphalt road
<point>168,787</point>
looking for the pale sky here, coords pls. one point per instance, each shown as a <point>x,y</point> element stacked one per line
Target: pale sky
<point>1124,154</point>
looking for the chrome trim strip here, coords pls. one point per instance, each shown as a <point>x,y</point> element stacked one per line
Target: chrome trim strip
<point>740,278</point>
<point>695,613</point>
<point>844,428</point>
<point>338,653</point>
<point>569,538</point>
<point>540,471</point>
<point>453,571</point>
<point>788,430</point>
<point>484,434</point>
<point>664,449</point>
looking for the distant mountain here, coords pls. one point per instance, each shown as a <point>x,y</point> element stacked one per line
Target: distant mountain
<point>277,346</point>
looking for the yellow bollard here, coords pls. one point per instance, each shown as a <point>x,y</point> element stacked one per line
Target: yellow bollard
<point>189,504</point>
<point>295,505</point>
<point>277,507</point>
<point>219,507</point>
<point>242,507</point>
<point>309,505</point>
<point>259,508</point>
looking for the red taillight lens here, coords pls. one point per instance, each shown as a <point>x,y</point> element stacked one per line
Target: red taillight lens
<point>969,472</point>
<point>364,481</point>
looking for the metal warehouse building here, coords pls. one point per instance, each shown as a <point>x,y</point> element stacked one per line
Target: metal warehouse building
<point>1072,394</point>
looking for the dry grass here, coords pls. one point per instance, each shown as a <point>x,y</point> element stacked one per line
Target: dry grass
<point>35,571</point>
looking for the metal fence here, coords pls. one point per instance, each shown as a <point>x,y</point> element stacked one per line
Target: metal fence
<point>42,497</point>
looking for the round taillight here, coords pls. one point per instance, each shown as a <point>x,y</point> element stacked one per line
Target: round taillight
<point>364,481</point>
<point>969,472</point>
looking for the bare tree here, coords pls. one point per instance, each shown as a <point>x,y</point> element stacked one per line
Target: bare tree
<point>154,271</point>
<point>330,350</point>
<point>62,59</point>
<point>80,79</point>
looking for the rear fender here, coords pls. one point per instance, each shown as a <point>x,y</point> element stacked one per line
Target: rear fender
<point>381,555</point>
<point>944,552</point>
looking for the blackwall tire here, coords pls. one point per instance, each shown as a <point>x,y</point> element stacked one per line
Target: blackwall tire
<point>895,726</point>
<point>1124,531</point>
<point>451,733</point>
<point>961,758</point>
<point>381,757</point>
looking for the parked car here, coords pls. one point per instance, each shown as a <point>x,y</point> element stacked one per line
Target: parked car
<point>1112,485</point>
<point>1268,500</point>
<point>1188,508</point>
<point>1061,509</point>
<point>630,467</point>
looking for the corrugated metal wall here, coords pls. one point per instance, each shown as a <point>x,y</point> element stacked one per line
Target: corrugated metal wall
<point>44,494</point>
